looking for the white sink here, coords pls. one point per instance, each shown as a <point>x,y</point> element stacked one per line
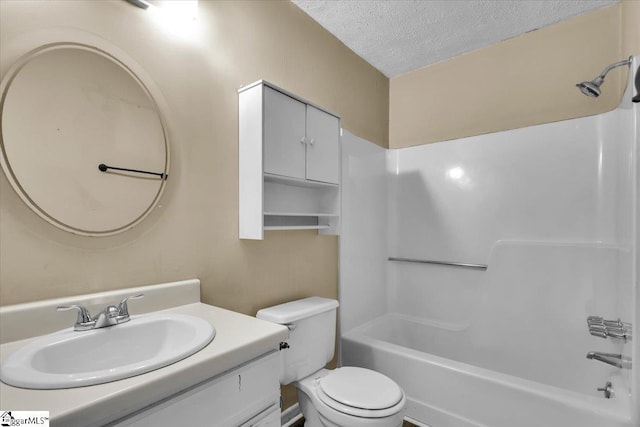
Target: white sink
<point>68,358</point>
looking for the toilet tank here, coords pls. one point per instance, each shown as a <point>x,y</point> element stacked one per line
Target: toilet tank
<point>312,334</point>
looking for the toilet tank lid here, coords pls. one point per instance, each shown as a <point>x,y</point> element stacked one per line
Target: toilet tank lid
<point>295,310</point>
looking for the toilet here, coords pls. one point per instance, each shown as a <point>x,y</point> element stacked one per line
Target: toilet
<point>342,397</point>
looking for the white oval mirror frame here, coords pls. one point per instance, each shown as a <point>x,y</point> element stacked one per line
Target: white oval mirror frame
<point>65,108</point>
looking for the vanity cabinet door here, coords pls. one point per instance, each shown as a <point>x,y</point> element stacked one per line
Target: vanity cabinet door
<point>246,396</point>
<point>270,419</point>
<point>323,146</point>
<point>284,135</point>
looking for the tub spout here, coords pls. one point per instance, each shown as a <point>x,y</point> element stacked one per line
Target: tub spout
<point>617,360</point>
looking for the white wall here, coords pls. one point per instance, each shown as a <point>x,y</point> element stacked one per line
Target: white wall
<point>363,243</point>
<point>452,201</point>
<point>634,234</point>
<point>542,206</point>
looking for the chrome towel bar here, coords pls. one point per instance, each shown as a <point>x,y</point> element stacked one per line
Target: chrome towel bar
<point>454,264</point>
<point>103,168</point>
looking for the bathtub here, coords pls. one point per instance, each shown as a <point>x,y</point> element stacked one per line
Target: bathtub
<point>450,381</point>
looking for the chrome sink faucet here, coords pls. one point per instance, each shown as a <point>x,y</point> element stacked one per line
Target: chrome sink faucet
<point>110,316</point>
<point>617,360</point>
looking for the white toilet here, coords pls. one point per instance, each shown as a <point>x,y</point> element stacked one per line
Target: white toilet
<point>343,397</point>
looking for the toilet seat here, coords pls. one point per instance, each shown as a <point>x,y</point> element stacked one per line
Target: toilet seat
<point>360,392</point>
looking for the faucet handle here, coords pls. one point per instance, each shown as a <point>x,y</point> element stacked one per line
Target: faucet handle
<point>123,308</point>
<point>84,317</point>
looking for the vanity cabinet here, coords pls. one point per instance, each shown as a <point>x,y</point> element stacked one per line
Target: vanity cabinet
<point>289,163</point>
<point>247,396</point>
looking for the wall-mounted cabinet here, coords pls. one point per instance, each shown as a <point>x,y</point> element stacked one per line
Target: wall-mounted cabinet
<point>289,154</point>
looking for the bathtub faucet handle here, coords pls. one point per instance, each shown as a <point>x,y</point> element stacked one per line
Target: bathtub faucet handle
<point>607,389</point>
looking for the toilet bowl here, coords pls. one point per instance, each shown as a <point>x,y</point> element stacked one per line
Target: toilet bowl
<point>343,397</point>
<point>350,397</point>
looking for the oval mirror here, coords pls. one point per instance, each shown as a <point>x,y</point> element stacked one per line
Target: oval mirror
<point>66,109</point>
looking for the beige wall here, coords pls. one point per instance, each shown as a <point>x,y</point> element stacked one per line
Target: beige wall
<point>523,81</point>
<point>194,232</point>
<point>630,27</point>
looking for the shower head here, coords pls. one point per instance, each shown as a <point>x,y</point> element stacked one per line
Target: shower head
<point>592,88</point>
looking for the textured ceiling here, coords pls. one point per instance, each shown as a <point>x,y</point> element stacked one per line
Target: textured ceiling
<point>397,36</point>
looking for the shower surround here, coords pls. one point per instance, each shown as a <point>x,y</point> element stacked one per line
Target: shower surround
<point>551,210</point>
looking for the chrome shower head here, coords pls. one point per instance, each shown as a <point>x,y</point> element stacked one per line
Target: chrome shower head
<point>592,88</point>
<point>142,4</point>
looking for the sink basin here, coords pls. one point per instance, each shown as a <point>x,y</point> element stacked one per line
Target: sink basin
<point>68,359</point>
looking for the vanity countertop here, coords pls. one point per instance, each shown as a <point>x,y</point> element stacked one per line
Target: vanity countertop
<point>239,339</point>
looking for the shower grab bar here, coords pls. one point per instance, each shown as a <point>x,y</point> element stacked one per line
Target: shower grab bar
<point>454,264</point>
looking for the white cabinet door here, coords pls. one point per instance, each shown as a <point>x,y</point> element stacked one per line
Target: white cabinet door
<point>323,147</point>
<point>284,132</point>
<point>246,396</point>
